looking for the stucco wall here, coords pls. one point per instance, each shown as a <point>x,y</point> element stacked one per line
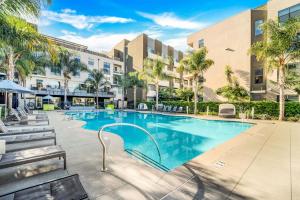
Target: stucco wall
<point>235,34</point>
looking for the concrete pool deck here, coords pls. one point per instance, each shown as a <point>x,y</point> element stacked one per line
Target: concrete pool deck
<point>261,163</point>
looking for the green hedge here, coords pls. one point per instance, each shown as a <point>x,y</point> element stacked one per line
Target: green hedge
<point>269,108</point>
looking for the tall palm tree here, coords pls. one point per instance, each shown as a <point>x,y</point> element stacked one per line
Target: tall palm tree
<point>280,47</point>
<point>153,72</point>
<point>96,80</point>
<point>197,65</point>
<point>69,65</point>
<point>228,74</point>
<point>134,81</point>
<point>17,40</point>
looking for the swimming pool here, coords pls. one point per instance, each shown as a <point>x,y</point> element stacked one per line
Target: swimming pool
<point>180,138</point>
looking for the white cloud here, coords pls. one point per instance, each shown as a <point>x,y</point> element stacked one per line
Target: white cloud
<point>99,42</point>
<point>169,20</point>
<point>178,43</point>
<point>78,21</point>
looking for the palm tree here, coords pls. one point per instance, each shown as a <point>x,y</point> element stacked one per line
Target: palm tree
<point>153,72</point>
<point>96,80</point>
<point>19,39</point>
<point>197,65</point>
<point>181,69</point>
<point>228,74</point>
<point>280,47</point>
<point>21,7</point>
<point>69,65</point>
<point>134,81</point>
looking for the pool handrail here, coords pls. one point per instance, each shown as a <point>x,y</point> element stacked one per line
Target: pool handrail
<point>104,168</point>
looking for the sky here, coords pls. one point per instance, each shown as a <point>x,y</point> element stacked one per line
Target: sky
<point>100,24</point>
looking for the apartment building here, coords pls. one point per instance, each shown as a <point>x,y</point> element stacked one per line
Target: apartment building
<point>52,82</point>
<point>228,43</point>
<point>134,52</point>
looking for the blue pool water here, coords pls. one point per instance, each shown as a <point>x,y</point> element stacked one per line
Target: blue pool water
<point>180,139</point>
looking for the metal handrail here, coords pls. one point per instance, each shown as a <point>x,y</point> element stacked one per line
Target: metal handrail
<point>122,124</point>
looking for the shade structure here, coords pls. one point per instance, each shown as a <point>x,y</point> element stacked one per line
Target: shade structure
<point>12,87</point>
<point>48,97</point>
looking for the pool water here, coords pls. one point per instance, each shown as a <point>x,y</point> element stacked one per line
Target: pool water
<point>179,138</point>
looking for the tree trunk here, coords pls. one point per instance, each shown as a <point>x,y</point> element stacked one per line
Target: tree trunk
<point>181,80</point>
<point>281,93</point>
<point>123,97</point>
<point>10,74</point>
<point>195,96</point>
<point>157,88</point>
<point>97,99</point>
<point>134,97</point>
<point>65,91</point>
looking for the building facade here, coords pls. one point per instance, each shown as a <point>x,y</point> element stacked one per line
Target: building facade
<point>228,43</point>
<point>52,81</point>
<point>134,52</point>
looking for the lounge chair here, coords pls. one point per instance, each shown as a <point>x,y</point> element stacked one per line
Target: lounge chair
<point>169,108</point>
<point>25,120</point>
<point>13,159</point>
<point>160,107</point>
<point>12,130</point>
<point>174,109</point>
<point>27,138</point>
<point>142,106</point>
<point>164,108</point>
<point>24,114</point>
<point>227,110</point>
<point>65,188</point>
<point>180,109</point>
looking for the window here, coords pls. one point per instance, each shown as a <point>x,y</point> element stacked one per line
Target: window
<point>77,72</point>
<point>201,43</point>
<point>259,76</point>
<point>106,68</point>
<point>116,79</point>
<point>91,62</point>
<point>258,29</point>
<point>55,70</point>
<point>39,83</point>
<point>290,12</point>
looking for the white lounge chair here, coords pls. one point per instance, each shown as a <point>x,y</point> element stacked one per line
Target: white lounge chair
<point>227,110</point>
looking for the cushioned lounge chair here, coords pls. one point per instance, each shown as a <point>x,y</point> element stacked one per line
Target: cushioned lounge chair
<point>169,108</point>
<point>26,119</point>
<point>227,110</point>
<point>18,140</point>
<point>13,159</point>
<point>23,129</point>
<point>174,109</point>
<point>25,115</point>
<point>65,188</point>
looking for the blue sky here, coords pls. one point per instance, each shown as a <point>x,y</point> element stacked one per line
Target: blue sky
<point>100,24</point>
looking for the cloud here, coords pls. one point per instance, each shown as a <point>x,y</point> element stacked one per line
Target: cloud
<point>169,20</point>
<point>178,43</point>
<point>78,21</point>
<point>99,42</point>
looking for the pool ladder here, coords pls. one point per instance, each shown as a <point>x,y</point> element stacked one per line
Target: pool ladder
<point>100,137</point>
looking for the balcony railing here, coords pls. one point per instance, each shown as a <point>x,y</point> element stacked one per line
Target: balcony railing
<point>76,92</point>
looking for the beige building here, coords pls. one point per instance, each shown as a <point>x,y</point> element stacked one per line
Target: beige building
<point>228,43</point>
<point>52,81</point>
<point>134,53</point>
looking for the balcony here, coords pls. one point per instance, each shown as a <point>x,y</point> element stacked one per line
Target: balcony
<point>76,92</point>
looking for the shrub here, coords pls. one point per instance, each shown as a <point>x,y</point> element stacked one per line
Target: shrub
<point>262,109</point>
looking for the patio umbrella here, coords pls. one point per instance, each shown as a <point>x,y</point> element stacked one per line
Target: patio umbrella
<point>48,97</point>
<point>12,87</point>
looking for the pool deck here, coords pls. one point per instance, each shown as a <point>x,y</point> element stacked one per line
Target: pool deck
<point>261,163</point>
